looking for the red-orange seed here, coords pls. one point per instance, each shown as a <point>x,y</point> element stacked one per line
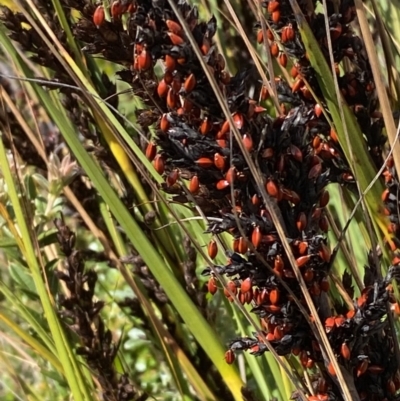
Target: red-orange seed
<point>256,236</point>
<point>272,308</point>
<point>303,245</point>
<point>362,368</point>
<point>172,177</point>
<point>194,184</point>
<point>375,369</point>
<point>174,27</point>
<point>284,35</point>
<point>329,324</point>
<point>283,60</point>
<point>99,16</point>
<point>212,249</point>
<point>294,72</point>
<point>324,198</point>
<point>274,49</point>
<point>159,164</point>
<point>225,128</point>
<point>247,142</point>
<point>151,151</point>
<point>331,369</point>
<point>246,285</point>
<point>175,39</point>
<point>162,88</point>
<point>172,99</point>
<point>255,200</point>
<point>116,9</point>
<point>222,184</point>
<point>276,16</point>
<point>222,143</point>
<point>274,296</point>
<point>310,363</point>
<point>385,195</point>
<point>242,245</point>
<point>235,244</point>
<point>229,357</point>
<point>238,119</point>
<point>334,135</point>
<point>273,6</point>
<point>220,135</point>
<point>206,126</point>
<point>278,263</point>
<point>324,253</point>
<point>269,239</point>
<point>164,123</point>
<point>205,47</point>
<point>144,60</point>
<point>212,286</point>
<point>272,188</point>
<point>260,37</point>
<point>204,162</point>
<point>297,84</point>
<point>287,34</point>
<point>301,222</point>
<point>302,260</point>
<point>219,161</point>
<point>345,351</point>
<point>316,142</point>
<point>190,83</point>
<point>231,175</point>
<point>317,110</point>
<point>170,63</point>
<point>232,286</point>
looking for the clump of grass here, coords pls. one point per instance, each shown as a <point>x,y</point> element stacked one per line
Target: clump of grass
<point>273,189</point>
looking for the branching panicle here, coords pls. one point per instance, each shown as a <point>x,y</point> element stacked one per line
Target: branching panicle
<point>82,313</point>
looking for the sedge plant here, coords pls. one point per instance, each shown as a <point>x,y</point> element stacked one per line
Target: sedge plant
<point>200,201</point>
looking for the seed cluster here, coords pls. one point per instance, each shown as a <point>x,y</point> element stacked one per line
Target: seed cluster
<point>298,154</point>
